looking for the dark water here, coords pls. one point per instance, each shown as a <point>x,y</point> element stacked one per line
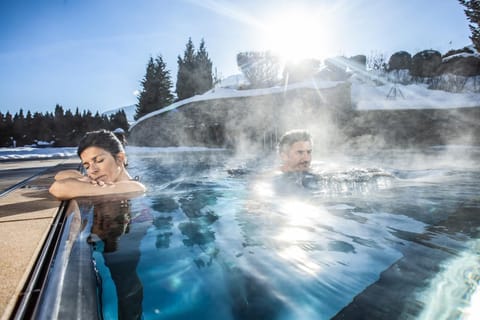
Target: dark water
<point>391,234</point>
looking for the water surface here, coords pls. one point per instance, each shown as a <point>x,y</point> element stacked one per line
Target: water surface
<point>388,234</point>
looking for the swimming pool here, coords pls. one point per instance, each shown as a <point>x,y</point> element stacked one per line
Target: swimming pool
<point>384,234</point>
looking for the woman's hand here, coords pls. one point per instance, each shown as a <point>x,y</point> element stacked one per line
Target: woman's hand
<point>94,182</point>
<point>67,174</point>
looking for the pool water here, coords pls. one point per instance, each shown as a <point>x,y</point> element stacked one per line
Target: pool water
<point>388,234</point>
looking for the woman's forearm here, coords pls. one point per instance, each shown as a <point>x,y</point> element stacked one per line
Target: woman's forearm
<point>66,174</point>
<point>70,188</point>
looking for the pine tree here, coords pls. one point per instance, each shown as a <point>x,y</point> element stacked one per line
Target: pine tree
<point>472,12</point>
<point>185,86</point>
<point>156,88</point>
<point>203,64</point>
<point>6,129</point>
<point>119,120</point>
<point>19,127</point>
<point>194,71</point>
<point>164,83</point>
<point>146,97</point>
<point>9,128</point>
<point>28,131</point>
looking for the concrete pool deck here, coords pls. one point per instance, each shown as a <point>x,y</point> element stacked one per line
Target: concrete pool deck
<point>26,215</point>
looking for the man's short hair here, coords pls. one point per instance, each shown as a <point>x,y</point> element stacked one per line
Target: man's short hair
<point>292,136</point>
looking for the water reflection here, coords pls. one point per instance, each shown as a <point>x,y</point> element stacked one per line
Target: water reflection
<point>116,235</point>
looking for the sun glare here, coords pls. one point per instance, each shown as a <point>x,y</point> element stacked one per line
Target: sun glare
<point>297,35</point>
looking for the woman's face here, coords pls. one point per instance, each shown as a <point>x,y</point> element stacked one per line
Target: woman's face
<point>101,165</point>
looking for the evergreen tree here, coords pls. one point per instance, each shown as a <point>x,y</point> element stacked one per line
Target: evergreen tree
<point>6,129</point>
<point>41,127</point>
<point>146,97</point>
<point>9,128</point>
<point>62,126</point>
<point>28,130</point>
<point>185,87</point>
<point>472,12</point>
<point>19,128</point>
<point>194,71</point>
<point>164,83</point>
<point>119,120</point>
<point>203,66</point>
<point>156,88</point>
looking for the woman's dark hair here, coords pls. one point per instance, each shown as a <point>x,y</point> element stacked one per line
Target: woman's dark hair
<point>101,139</point>
<point>293,136</point>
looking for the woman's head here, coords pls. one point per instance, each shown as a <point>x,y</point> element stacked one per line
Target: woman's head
<point>103,156</point>
<point>102,139</point>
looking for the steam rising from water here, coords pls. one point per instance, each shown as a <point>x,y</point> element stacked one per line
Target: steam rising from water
<point>319,250</point>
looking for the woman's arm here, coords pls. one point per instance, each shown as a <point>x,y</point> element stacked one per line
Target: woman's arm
<point>65,174</point>
<point>70,188</point>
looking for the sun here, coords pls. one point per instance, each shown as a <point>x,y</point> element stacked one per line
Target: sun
<point>295,35</point>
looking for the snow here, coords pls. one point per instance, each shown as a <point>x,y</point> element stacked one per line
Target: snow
<point>29,153</point>
<point>412,96</point>
<point>462,54</point>
<point>366,94</point>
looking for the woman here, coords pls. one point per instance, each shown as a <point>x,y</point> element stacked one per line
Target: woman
<point>120,237</point>
<point>104,160</point>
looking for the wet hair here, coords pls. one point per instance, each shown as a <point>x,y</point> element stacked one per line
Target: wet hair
<point>292,136</point>
<point>101,139</point>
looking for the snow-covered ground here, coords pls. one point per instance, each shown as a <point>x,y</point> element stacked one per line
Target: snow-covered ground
<point>368,92</point>
<point>365,91</point>
<point>413,96</point>
<point>29,153</point>
<point>365,96</point>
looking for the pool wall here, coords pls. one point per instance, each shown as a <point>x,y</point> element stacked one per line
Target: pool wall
<point>70,286</point>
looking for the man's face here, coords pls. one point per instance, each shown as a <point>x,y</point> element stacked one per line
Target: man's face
<point>298,157</point>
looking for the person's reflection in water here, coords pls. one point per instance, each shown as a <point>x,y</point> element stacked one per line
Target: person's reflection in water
<point>121,236</point>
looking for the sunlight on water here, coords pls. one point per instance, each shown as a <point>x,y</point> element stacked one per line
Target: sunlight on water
<point>300,258</point>
<point>263,189</point>
<point>242,244</point>
<point>301,213</point>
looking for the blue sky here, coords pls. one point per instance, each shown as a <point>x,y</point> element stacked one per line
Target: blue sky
<point>92,54</point>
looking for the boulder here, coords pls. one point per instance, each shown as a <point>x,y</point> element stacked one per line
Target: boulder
<point>457,51</point>
<point>467,65</point>
<point>399,61</point>
<point>425,64</point>
<point>301,70</point>
<point>359,61</point>
<point>335,69</point>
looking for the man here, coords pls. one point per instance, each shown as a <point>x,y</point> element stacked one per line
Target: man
<point>295,150</point>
